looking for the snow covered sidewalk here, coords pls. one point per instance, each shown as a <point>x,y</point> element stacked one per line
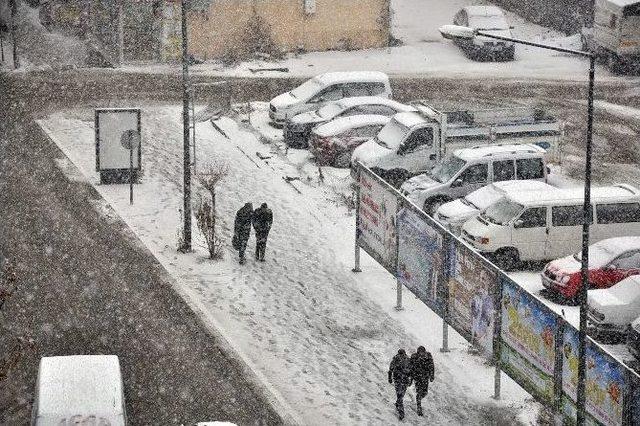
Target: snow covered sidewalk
<point>320,335</point>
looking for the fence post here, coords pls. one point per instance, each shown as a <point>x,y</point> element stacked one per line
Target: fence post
<point>497,336</point>
<point>356,265</point>
<point>398,284</point>
<point>444,288</point>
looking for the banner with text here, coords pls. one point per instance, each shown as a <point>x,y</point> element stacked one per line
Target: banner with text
<point>420,258</point>
<point>605,382</point>
<point>528,340</point>
<point>377,209</point>
<point>472,286</point>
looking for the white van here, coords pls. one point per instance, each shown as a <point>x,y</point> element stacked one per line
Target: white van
<point>468,169</point>
<point>454,214</point>
<point>543,225</point>
<point>328,87</point>
<point>79,389</point>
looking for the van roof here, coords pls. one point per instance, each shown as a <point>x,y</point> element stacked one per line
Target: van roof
<point>341,124</point>
<point>575,195</point>
<point>348,76</point>
<point>482,151</point>
<point>80,385</point>
<point>484,10</point>
<point>509,186</point>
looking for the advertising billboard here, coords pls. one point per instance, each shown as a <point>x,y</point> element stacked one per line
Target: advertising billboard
<point>420,257</point>
<point>605,382</point>
<point>528,340</point>
<point>377,209</point>
<point>113,130</point>
<point>472,285</point>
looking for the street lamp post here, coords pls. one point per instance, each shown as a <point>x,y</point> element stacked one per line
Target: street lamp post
<point>186,236</point>
<point>458,32</point>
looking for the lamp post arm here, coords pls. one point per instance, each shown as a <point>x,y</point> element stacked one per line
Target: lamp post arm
<point>530,43</point>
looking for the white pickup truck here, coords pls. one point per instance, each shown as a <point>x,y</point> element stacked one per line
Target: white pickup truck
<point>413,142</point>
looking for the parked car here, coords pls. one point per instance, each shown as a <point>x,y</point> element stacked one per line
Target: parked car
<point>333,143</point>
<point>79,389</point>
<point>297,130</point>
<point>489,19</point>
<point>612,310</point>
<point>610,261</point>
<point>535,226</point>
<point>328,87</point>
<point>454,214</point>
<point>633,338</point>
<point>471,168</point>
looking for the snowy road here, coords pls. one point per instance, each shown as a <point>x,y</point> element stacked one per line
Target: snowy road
<point>321,336</point>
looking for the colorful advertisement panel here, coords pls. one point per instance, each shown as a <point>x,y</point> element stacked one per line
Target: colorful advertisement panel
<point>528,340</point>
<point>420,258</point>
<point>472,285</point>
<point>377,209</point>
<point>605,382</point>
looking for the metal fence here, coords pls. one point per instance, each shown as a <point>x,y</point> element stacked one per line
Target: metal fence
<point>523,337</point>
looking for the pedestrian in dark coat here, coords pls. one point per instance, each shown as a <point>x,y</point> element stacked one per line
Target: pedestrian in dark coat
<point>242,229</point>
<point>422,372</point>
<point>400,375</point>
<point>262,220</point>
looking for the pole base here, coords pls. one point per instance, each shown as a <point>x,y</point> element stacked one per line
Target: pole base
<point>445,350</point>
<point>398,308</point>
<point>356,270</point>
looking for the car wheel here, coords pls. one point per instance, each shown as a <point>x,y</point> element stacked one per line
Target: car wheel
<point>507,258</point>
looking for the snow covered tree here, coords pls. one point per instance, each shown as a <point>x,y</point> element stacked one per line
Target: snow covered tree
<point>206,209</point>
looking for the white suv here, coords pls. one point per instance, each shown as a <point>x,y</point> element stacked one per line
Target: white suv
<point>469,169</point>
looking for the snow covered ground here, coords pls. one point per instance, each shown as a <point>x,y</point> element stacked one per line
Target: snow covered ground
<point>321,335</point>
<point>424,52</point>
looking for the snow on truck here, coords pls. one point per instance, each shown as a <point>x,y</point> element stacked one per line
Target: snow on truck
<point>615,35</point>
<point>413,142</point>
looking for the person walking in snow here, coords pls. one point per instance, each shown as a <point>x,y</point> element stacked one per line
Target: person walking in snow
<point>400,376</point>
<point>242,229</point>
<point>422,372</point>
<point>262,220</point>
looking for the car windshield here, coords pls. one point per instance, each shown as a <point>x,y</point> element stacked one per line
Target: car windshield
<point>445,171</point>
<point>306,90</point>
<point>502,212</point>
<point>484,197</point>
<point>391,134</point>
<point>482,22</point>
<point>330,110</point>
<point>599,255</point>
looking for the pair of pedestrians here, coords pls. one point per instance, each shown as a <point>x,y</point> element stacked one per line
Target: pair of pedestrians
<point>261,219</point>
<point>404,370</point>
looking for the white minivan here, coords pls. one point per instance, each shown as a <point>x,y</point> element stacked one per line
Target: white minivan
<point>328,87</point>
<point>79,389</point>
<point>543,225</point>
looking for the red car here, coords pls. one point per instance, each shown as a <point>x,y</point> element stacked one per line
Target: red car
<point>610,261</point>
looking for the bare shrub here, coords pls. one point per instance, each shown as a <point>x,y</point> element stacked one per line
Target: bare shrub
<point>257,41</point>
<point>206,208</point>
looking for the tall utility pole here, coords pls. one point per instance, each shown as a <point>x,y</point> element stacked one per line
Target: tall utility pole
<point>186,237</point>
<point>120,34</point>
<point>14,14</point>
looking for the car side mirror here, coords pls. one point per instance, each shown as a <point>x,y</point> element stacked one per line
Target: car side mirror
<point>518,223</point>
<point>457,183</point>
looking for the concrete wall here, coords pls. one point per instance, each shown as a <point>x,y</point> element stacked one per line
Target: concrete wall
<point>334,24</point>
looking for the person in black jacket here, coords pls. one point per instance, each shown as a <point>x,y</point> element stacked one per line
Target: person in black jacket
<point>242,229</point>
<point>262,220</point>
<point>422,372</point>
<point>400,375</point>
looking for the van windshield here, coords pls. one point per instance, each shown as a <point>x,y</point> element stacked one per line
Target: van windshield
<point>391,134</point>
<point>307,89</point>
<point>448,169</point>
<point>502,212</point>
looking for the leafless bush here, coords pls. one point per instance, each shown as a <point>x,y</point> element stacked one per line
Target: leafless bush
<point>257,41</point>
<point>206,209</point>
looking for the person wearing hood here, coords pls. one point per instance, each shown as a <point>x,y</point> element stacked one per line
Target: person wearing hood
<point>242,229</point>
<point>400,376</point>
<point>422,372</point>
<point>262,220</point>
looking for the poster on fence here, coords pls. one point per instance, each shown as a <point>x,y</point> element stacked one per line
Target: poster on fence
<point>420,257</point>
<point>605,382</point>
<point>376,232</point>
<point>472,287</point>
<point>528,337</point>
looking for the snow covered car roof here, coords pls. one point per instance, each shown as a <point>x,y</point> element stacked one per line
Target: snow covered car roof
<point>374,100</point>
<point>409,119</point>
<point>614,247</point>
<point>484,11</point>
<point>80,385</point>
<point>349,76</point>
<point>623,3</point>
<point>522,185</point>
<point>341,124</point>
<point>575,195</point>
<point>482,151</point>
